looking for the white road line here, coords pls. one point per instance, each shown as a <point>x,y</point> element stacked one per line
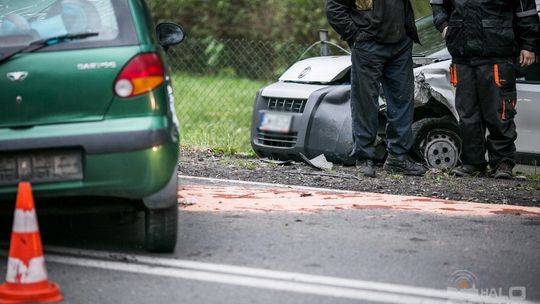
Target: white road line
<point>238,182</point>
<point>262,278</point>
<point>242,281</point>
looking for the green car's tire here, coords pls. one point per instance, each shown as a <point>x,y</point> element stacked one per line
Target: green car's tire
<point>161,228</point>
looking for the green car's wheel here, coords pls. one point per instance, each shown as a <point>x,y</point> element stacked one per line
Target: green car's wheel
<point>161,229</point>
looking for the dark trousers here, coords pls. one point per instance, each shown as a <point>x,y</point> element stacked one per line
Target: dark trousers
<point>391,65</point>
<point>486,99</point>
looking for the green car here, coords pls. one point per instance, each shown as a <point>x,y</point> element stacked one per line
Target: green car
<point>87,107</point>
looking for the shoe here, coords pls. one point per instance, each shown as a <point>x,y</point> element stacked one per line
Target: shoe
<point>504,171</point>
<point>402,164</point>
<point>468,170</point>
<point>367,167</point>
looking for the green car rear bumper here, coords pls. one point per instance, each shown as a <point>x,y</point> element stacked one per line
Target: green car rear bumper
<point>128,157</point>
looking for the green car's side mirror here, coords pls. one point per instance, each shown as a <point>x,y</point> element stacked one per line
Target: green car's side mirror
<point>170,34</point>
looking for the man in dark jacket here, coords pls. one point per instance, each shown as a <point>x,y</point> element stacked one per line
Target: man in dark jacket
<point>380,34</point>
<point>485,38</point>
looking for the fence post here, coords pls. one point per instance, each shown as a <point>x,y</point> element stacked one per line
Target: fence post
<point>323,38</point>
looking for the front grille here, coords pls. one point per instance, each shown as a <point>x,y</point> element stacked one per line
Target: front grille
<point>286,104</point>
<point>287,140</point>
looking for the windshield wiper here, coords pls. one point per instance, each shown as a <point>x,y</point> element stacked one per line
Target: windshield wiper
<point>39,44</point>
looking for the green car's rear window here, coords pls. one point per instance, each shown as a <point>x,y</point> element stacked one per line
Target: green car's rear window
<point>25,21</point>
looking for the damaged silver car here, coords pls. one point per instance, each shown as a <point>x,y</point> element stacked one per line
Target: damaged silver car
<point>307,112</point>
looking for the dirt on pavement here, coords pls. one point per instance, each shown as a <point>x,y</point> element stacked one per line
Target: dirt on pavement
<point>523,191</point>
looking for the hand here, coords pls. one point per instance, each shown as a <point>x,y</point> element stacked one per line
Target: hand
<point>444,32</point>
<point>526,58</point>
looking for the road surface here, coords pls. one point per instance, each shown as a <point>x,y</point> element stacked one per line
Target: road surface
<point>252,243</point>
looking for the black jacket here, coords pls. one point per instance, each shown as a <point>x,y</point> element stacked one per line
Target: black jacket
<point>354,25</point>
<point>486,29</point>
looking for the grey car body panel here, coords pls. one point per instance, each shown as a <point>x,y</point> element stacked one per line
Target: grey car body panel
<point>527,120</point>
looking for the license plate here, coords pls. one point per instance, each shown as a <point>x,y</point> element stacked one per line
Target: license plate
<point>40,167</point>
<point>275,122</point>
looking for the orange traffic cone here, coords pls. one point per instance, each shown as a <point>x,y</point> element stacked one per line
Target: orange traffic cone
<point>26,279</point>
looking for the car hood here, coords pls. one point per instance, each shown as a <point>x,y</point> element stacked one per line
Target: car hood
<point>431,80</point>
<point>322,70</point>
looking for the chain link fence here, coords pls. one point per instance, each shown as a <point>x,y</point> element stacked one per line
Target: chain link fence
<point>215,83</point>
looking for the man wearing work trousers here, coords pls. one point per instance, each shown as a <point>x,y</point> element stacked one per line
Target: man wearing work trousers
<point>380,34</point>
<point>485,39</point>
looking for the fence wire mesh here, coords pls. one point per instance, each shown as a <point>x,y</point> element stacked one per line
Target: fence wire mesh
<point>215,83</point>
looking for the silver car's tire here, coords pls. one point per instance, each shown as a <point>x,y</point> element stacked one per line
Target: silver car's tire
<point>436,142</point>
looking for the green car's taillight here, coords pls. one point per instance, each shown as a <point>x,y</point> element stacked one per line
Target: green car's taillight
<point>141,75</point>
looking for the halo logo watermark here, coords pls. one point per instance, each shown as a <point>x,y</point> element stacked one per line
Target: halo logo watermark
<point>463,280</point>
<point>467,282</point>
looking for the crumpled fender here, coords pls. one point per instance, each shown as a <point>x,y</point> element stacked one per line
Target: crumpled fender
<point>432,81</point>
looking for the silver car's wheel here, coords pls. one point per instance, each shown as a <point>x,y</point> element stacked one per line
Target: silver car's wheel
<point>440,151</point>
<point>436,142</point>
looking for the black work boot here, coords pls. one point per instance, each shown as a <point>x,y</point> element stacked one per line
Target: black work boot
<point>367,167</point>
<point>402,164</point>
<point>468,170</point>
<point>504,171</point>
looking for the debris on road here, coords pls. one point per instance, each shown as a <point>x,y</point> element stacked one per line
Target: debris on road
<point>318,162</point>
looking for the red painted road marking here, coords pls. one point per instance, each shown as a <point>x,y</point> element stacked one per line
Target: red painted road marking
<point>205,198</point>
